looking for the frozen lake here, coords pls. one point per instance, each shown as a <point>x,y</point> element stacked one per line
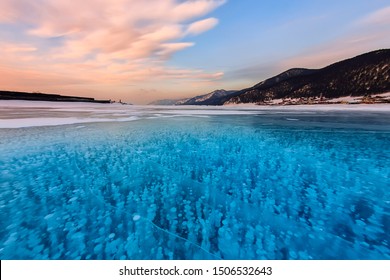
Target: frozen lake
<point>92,181</point>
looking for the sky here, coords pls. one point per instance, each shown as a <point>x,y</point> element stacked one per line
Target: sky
<point>139,51</point>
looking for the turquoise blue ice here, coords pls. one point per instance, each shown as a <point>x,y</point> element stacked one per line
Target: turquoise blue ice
<point>272,185</point>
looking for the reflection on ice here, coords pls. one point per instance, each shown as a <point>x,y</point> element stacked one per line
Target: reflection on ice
<point>222,186</point>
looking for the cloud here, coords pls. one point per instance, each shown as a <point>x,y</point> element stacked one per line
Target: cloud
<point>170,48</point>
<point>111,25</point>
<point>366,34</point>
<point>195,8</point>
<point>201,26</point>
<point>379,17</point>
<point>17,48</point>
<point>102,41</point>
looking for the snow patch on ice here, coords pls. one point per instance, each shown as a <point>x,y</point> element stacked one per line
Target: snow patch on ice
<point>31,122</point>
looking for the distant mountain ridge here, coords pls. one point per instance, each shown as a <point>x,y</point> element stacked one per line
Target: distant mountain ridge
<point>16,95</point>
<point>217,97</point>
<point>166,102</point>
<point>364,75</point>
<point>212,98</point>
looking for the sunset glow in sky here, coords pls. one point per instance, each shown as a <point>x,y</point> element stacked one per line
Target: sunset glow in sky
<point>139,51</point>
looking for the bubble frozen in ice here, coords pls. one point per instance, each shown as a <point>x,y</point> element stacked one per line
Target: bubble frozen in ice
<point>258,192</point>
<point>136,218</point>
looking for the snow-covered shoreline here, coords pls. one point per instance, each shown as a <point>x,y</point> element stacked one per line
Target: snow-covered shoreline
<point>315,107</point>
<point>17,114</point>
<point>345,100</point>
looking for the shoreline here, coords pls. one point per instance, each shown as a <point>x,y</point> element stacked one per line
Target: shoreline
<point>4,104</point>
<point>316,107</point>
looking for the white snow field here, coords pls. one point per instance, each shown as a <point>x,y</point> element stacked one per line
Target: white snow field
<point>87,181</point>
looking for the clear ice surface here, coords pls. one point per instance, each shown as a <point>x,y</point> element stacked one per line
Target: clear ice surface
<point>255,185</point>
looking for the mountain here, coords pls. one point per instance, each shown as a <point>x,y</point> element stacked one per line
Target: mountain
<point>15,95</point>
<point>217,97</point>
<point>294,72</point>
<point>363,75</point>
<point>166,102</point>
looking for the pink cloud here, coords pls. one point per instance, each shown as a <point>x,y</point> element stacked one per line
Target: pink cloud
<point>196,8</point>
<point>170,48</point>
<point>110,26</point>
<point>379,17</point>
<point>366,34</point>
<point>103,42</point>
<point>201,26</point>
<point>10,11</point>
<point>17,48</point>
